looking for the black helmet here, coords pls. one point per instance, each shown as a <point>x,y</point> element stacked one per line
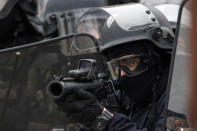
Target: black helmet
<point>117,25</point>
<point>131,37</point>
<point>120,30</point>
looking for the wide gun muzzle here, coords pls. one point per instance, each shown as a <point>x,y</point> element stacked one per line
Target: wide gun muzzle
<point>55,89</point>
<point>58,89</point>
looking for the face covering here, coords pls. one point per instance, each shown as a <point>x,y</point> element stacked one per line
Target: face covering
<point>139,88</point>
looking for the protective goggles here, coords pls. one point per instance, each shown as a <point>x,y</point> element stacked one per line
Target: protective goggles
<point>130,65</point>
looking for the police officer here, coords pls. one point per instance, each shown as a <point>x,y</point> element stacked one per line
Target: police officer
<point>136,48</point>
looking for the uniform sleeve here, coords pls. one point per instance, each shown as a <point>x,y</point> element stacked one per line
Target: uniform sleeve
<point>160,113</point>
<point>121,122</point>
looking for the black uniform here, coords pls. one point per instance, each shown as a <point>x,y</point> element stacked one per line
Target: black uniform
<point>137,117</point>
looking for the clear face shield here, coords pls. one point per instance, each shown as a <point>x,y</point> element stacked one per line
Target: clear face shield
<point>130,65</point>
<point>92,24</point>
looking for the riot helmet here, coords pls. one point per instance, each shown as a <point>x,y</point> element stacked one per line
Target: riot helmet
<point>121,32</point>
<point>132,38</point>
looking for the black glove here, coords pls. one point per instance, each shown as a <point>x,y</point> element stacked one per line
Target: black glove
<point>81,106</point>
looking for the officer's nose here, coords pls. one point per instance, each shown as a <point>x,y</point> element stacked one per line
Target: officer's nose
<point>122,73</point>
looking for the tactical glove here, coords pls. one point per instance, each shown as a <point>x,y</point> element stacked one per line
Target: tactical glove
<point>81,106</point>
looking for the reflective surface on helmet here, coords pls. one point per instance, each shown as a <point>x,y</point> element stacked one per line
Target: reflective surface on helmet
<point>2,4</point>
<point>96,21</point>
<point>128,20</point>
<point>129,65</point>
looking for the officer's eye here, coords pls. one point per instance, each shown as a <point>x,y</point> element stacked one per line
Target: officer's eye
<point>134,61</point>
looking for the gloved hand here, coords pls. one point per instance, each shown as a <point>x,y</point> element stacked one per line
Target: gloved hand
<point>81,105</point>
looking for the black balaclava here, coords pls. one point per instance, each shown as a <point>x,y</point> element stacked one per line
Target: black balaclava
<point>138,88</point>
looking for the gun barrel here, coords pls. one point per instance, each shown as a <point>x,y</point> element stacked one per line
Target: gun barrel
<point>55,89</point>
<point>59,89</point>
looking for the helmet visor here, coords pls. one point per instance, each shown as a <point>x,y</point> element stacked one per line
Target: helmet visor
<point>92,24</point>
<point>130,65</point>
